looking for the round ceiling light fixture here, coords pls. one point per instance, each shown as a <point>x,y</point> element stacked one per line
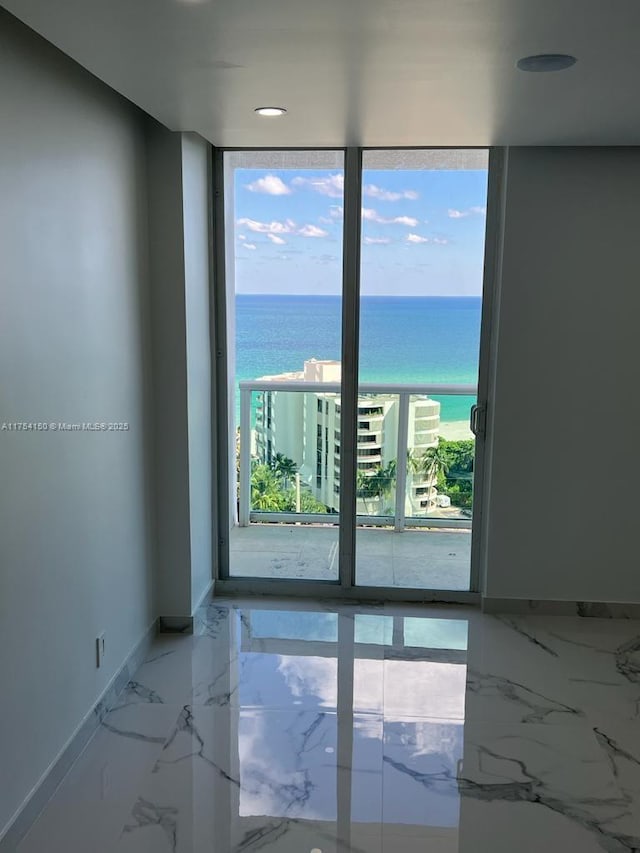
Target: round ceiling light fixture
<point>270,111</point>
<point>546,62</point>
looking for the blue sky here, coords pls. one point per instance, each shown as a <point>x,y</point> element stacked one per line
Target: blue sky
<point>423,231</point>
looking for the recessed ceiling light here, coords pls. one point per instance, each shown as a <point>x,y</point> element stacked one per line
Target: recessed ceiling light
<point>270,111</point>
<point>546,62</point>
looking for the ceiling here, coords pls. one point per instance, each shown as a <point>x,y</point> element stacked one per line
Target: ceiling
<point>363,72</point>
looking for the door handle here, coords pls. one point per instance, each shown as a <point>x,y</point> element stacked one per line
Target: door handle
<point>477,420</point>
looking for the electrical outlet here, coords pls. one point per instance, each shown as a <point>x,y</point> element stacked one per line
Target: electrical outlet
<point>100,647</point>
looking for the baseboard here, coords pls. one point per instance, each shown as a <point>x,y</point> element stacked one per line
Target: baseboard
<point>208,590</point>
<point>585,609</point>
<point>35,802</point>
<point>174,625</point>
<point>183,624</point>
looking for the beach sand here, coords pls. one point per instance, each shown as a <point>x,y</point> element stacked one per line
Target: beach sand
<point>455,430</point>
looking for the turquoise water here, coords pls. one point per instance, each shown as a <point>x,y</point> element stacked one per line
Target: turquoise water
<point>402,339</point>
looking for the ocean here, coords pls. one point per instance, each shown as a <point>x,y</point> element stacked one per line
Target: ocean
<point>402,339</point>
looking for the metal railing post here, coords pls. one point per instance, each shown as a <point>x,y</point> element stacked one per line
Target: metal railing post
<point>245,458</point>
<point>401,462</point>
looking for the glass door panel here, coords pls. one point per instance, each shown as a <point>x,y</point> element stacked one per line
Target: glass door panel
<point>283,231</point>
<point>422,258</point>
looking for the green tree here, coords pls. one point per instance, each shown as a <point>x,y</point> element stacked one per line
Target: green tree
<point>266,490</point>
<point>284,468</point>
<point>366,487</point>
<point>413,462</point>
<point>386,480</point>
<point>457,480</point>
<point>460,454</point>
<point>433,463</point>
<point>460,493</point>
<point>375,483</point>
<point>309,504</point>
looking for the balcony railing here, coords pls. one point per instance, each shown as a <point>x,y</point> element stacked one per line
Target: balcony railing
<point>398,517</point>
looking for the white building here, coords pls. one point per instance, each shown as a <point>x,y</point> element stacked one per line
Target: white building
<point>306,428</point>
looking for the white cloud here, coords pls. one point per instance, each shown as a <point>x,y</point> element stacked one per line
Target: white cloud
<point>373,191</point>
<point>287,227</point>
<point>270,185</point>
<point>376,241</point>
<point>251,246</point>
<point>418,238</point>
<point>477,210</point>
<point>276,229</point>
<point>331,185</point>
<point>411,221</point>
<point>312,231</point>
<point>373,216</point>
<point>242,238</point>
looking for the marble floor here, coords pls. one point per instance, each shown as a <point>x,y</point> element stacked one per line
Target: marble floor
<point>414,558</point>
<point>310,727</point>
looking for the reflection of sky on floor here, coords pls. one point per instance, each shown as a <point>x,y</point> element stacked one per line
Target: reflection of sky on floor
<point>294,625</point>
<point>248,736</point>
<point>285,770</point>
<point>428,754</point>
<point>435,633</point>
<point>404,719</point>
<point>288,768</point>
<point>369,628</point>
<point>282,681</point>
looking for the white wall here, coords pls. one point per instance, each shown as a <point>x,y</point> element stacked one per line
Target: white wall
<point>75,529</point>
<point>565,407</point>
<point>196,182</point>
<point>169,372</point>
<point>179,209</point>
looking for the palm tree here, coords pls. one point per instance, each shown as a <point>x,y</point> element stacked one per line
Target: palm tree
<point>386,478</point>
<point>391,470</point>
<point>413,462</point>
<point>432,463</point>
<point>366,486</point>
<point>413,468</point>
<point>266,493</point>
<point>284,467</point>
<point>375,483</point>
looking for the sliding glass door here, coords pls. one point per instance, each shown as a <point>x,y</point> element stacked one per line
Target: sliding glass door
<point>370,432</point>
<point>284,298</point>
<point>423,232</point>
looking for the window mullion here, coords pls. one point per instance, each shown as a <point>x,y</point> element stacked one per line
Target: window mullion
<point>350,349</point>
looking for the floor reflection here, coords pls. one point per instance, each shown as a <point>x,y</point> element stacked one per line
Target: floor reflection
<point>312,728</point>
<point>322,729</point>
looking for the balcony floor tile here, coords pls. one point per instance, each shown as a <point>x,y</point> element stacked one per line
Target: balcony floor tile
<point>421,559</point>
